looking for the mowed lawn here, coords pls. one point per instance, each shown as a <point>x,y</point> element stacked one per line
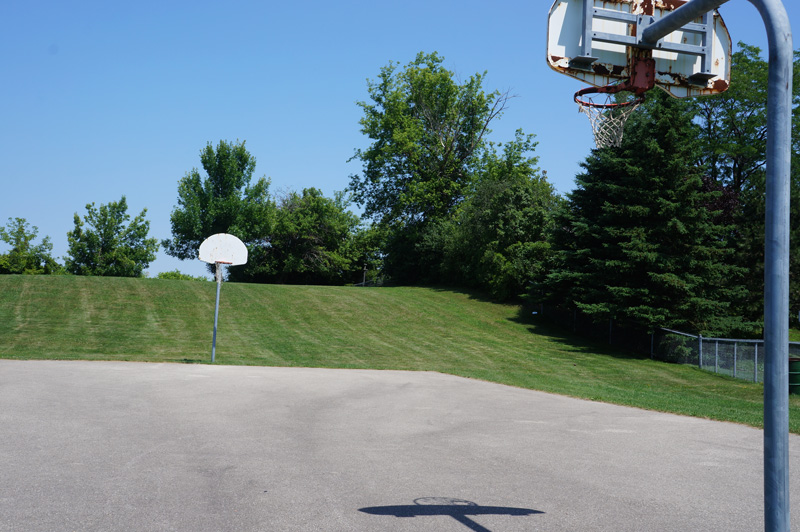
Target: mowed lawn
<point>406,328</point>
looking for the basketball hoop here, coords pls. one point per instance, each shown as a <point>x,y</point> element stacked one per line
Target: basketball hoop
<point>608,117</point>
<point>219,249</point>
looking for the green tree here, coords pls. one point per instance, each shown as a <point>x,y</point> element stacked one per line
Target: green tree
<point>222,202</point>
<point>733,136</point>
<point>108,243</point>
<point>176,275</point>
<point>733,124</point>
<point>500,235</point>
<point>24,256</point>
<point>637,242</point>
<point>426,130</point>
<point>315,240</point>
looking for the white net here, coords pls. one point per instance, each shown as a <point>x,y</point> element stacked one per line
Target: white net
<point>608,123</point>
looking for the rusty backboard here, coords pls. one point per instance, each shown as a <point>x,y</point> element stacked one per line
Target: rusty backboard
<point>595,40</point>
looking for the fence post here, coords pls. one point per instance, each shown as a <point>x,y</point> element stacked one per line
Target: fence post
<point>716,356</point>
<point>734,358</point>
<point>755,366</point>
<point>700,351</point>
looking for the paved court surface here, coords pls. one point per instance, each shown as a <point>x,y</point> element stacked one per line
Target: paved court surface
<point>110,446</point>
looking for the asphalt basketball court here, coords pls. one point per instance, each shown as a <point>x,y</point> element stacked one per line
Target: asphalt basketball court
<point>130,446</point>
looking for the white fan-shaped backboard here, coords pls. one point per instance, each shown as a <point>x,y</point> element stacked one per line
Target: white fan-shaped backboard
<point>223,248</point>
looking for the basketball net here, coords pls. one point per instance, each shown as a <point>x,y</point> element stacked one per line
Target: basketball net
<point>608,114</point>
<point>608,123</point>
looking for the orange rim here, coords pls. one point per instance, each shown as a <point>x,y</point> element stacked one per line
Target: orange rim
<point>605,90</point>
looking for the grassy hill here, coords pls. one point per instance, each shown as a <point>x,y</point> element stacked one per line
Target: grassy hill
<point>91,318</point>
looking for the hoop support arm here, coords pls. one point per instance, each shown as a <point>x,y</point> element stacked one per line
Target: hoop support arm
<point>641,80</point>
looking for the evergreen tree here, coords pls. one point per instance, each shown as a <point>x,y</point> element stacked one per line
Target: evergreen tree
<point>637,241</point>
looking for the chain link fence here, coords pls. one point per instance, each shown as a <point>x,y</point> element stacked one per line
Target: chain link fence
<point>742,359</point>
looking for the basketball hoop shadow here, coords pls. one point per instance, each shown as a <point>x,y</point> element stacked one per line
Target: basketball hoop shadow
<point>458,509</point>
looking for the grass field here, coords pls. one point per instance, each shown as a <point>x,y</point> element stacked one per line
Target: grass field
<point>421,329</point>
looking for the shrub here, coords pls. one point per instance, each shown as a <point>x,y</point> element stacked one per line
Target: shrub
<point>176,275</point>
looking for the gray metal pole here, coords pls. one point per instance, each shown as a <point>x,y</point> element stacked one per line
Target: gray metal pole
<point>700,350</point>
<point>216,313</point>
<point>776,266</point>
<point>776,249</point>
<point>678,19</point>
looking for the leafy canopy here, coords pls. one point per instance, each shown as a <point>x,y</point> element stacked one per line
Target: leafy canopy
<point>499,238</point>
<point>314,240</point>
<point>25,257</point>
<point>106,242</point>
<point>732,135</point>
<point>176,275</point>
<point>426,129</point>
<point>222,202</point>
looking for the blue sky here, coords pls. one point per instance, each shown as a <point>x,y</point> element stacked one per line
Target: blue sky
<point>101,99</point>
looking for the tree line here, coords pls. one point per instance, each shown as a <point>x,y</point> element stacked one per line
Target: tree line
<point>664,230</point>
<point>668,229</point>
<point>105,242</point>
<point>299,238</point>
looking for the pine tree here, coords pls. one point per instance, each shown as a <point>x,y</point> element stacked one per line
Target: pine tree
<point>637,241</point>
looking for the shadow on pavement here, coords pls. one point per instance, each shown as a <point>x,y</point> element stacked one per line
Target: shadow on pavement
<point>458,509</point>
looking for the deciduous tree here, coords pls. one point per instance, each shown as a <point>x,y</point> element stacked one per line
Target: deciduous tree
<point>24,256</point>
<point>500,235</point>
<point>223,201</point>
<point>733,137</point>
<point>107,242</point>
<point>427,130</point>
<point>314,240</point>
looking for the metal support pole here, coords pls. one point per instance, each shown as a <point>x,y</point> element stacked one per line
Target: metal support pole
<point>588,6</point>
<point>678,19</point>
<point>776,266</point>
<point>216,312</point>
